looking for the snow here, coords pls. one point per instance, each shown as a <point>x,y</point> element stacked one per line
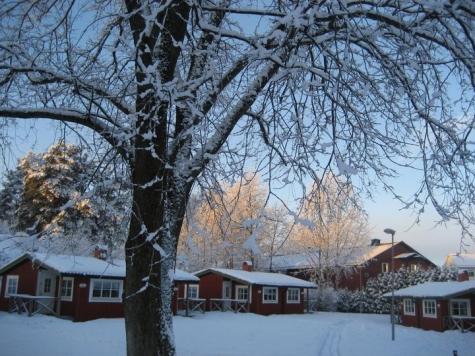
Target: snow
<point>461,260</point>
<point>259,278</point>
<point>87,266</point>
<point>435,290</point>
<point>229,334</point>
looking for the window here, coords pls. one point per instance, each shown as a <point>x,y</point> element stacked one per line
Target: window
<point>385,267</point>
<point>409,307</point>
<point>269,295</point>
<point>242,293</point>
<point>460,307</point>
<point>293,295</point>
<point>12,285</point>
<point>67,288</point>
<point>471,272</point>
<point>105,290</point>
<point>414,268</point>
<point>193,291</point>
<point>47,286</point>
<point>429,308</point>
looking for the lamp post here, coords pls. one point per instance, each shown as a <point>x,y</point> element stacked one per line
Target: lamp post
<point>392,232</point>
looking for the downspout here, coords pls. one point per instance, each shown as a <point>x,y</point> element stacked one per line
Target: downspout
<point>58,304</point>
<point>187,297</point>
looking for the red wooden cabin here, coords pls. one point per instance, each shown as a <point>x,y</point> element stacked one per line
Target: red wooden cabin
<point>375,261</point>
<point>256,292</point>
<point>80,288</point>
<point>438,306</point>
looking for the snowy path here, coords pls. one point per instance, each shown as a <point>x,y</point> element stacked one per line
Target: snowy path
<point>332,339</point>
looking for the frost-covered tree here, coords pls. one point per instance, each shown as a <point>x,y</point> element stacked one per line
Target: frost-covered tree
<point>10,195</point>
<point>226,228</point>
<point>50,181</point>
<point>56,196</point>
<point>187,89</point>
<point>335,230</point>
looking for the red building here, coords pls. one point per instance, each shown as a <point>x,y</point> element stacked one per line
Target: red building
<point>375,261</point>
<point>80,288</point>
<point>248,291</point>
<point>438,306</point>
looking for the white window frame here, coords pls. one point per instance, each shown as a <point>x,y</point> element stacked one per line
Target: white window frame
<point>292,292</point>
<point>189,289</point>
<point>65,297</point>
<point>425,306</point>
<point>7,285</point>
<point>385,267</point>
<point>467,303</point>
<point>266,292</point>
<point>242,287</point>
<point>414,268</point>
<point>471,273</point>
<point>106,299</point>
<point>409,307</point>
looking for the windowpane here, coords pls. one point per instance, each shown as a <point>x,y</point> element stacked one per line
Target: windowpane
<point>429,308</point>
<point>270,295</point>
<point>409,307</point>
<point>293,295</point>
<point>193,291</point>
<point>106,290</point>
<point>12,285</point>
<point>460,308</point>
<point>67,288</point>
<point>241,293</point>
<point>47,286</point>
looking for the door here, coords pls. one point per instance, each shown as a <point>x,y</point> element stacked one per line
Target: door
<point>227,285</point>
<point>46,288</point>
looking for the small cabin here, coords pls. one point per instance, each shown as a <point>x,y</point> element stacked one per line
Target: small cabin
<point>75,287</point>
<point>438,306</point>
<point>249,291</point>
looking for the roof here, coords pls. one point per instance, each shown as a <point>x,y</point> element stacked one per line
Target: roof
<point>258,278</point>
<point>403,256</point>
<point>440,290</point>
<point>86,266</point>
<point>304,260</point>
<point>293,261</point>
<point>461,260</point>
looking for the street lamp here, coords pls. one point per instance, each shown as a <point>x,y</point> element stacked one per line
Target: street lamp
<point>392,232</point>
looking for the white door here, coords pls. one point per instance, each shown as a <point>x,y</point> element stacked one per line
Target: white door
<point>46,288</point>
<point>227,285</point>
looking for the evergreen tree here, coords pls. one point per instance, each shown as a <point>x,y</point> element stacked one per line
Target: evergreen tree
<point>10,196</point>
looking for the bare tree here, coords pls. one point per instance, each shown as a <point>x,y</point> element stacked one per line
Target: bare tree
<point>179,87</point>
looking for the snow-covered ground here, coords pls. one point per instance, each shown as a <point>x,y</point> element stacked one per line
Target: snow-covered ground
<point>229,334</point>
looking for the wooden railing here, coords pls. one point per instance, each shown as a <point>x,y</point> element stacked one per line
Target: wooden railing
<point>234,305</point>
<point>31,304</point>
<point>457,323</point>
<point>191,305</point>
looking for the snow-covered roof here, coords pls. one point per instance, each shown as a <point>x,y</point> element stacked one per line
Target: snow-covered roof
<point>441,290</point>
<point>292,261</point>
<point>461,260</point>
<point>259,278</point>
<point>406,255</point>
<point>182,276</point>
<point>88,266</point>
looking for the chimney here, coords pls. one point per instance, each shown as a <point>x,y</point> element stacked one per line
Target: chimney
<point>100,252</point>
<point>375,242</point>
<point>247,266</point>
